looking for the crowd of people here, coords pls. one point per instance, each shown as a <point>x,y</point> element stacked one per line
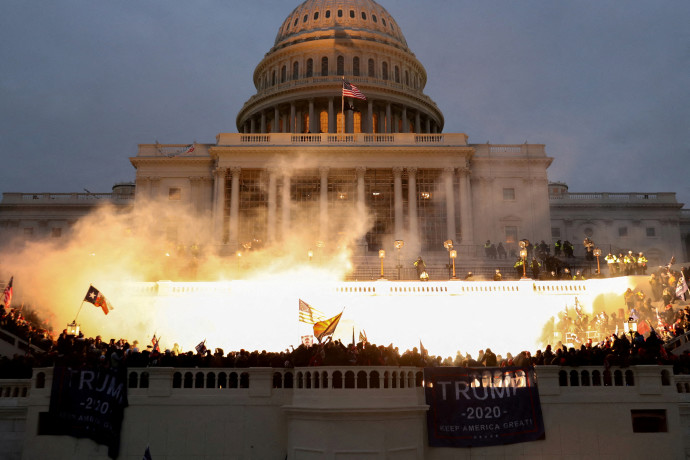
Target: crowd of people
<point>657,319</point>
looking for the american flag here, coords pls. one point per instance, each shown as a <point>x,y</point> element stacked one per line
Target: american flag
<point>350,90</point>
<point>308,314</point>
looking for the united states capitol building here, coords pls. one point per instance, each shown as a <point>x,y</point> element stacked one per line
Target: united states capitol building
<point>302,159</point>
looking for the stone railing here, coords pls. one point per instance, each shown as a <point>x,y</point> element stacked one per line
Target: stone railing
<point>14,388</point>
<point>662,197</point>
<point>66,198</point>
<point>261,381</point>
<point>502,150</point>
<point>383,139</point>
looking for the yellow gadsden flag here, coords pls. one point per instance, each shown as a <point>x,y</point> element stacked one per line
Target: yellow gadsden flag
<point>326,327</point>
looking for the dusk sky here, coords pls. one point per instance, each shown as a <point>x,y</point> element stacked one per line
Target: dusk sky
<point>604,84</point>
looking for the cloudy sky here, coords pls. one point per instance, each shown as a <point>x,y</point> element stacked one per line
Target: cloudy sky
<point>604,84</point>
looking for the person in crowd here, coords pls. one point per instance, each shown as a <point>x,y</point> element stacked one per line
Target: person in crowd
<point>497,275</point>
<point>501,251</point>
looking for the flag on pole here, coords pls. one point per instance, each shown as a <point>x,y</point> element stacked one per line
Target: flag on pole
<point>363,336</point>
<point>308,314</point>
<point>681,287</point>
<point>95,297</point>
<point>147,454</point>
<point>326,327</point>
<point>201,348</point>
<point>350,90</point>
<point>7,294</point>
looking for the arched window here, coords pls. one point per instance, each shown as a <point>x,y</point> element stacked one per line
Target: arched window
<point>295,70</point>
<point>340,66</point>
<point>397,74</point>
<point>352,14</point>
<point>372,68</point>
<point>340,13</point>
<point>384,70</point>
<point>373,18</point>
<point>364,15</point>
<point>324,66</point>
<point>310,68</point>
<point>355,66</point>
<point>328,14</point>
<point>283,74</point>
<point>305,18</point>
<point>357,119</point>
<point>375,119</point>
<point>316,15</point>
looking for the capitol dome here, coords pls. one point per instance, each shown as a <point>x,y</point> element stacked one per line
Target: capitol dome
<point>323,42</point>
<point>364,18</point>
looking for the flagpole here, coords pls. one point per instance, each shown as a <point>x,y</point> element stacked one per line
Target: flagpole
<point>342,100</point>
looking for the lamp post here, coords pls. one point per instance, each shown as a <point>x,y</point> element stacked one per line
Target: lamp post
<point>73,328</point>
<point>310,254</point>
<point>382,255</point>
<point>597,253</point>
<point>453,254</point>
<point>523,255</point>
<point>398,244</point>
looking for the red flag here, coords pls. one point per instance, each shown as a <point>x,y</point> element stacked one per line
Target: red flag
<point>643,327</point>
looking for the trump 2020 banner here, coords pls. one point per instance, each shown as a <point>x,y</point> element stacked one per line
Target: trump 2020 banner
<point>89,403</point>
<point>488,406</point>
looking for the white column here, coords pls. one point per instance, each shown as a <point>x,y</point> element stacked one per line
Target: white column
<point>286,206</point>
<point>252,125</point>
<point>312,122</point>
<point>465,192</point>
<point>263,122</point>
<point>450,203</point>
<point>405,125</point>
<point>234,206</point>
<point>276,120</point>
<point>218,203</point>
<point>370,116</point>
<point>272,202</point>
<point>412,201</point>
<point>323,204</point>
<point>361,199</point>
<point>398,202</point>
<point>417,123</point>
